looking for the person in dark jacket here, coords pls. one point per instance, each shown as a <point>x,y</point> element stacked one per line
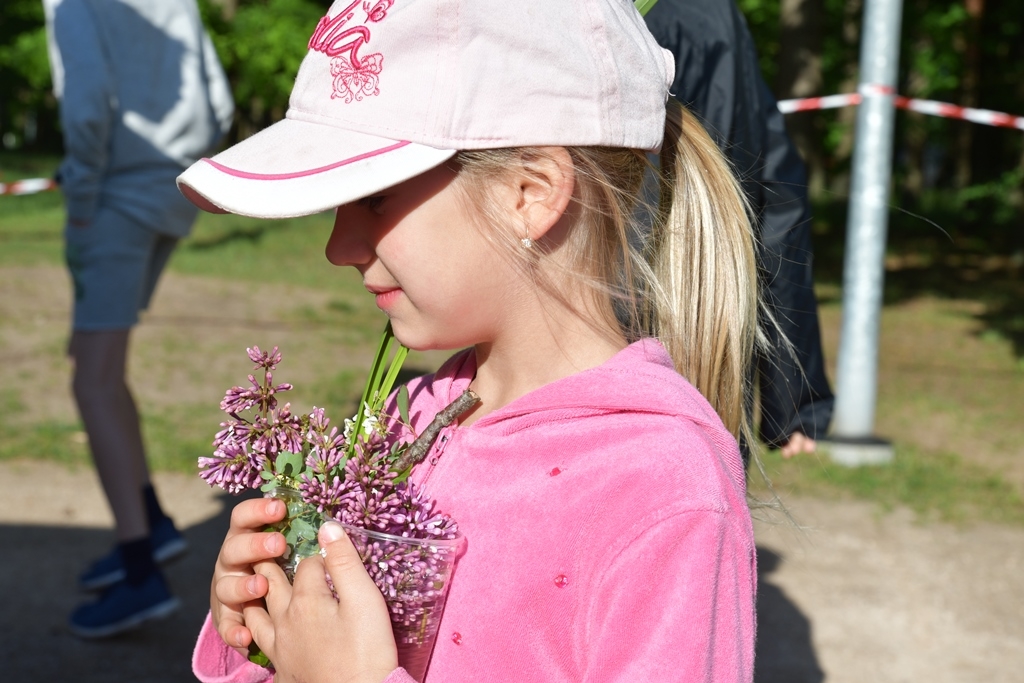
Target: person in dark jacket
<point>718,78</point>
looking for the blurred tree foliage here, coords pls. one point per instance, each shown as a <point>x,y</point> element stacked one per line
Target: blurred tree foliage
<point>27,106</point>
<point>968,52</point>
<point>261,44</point>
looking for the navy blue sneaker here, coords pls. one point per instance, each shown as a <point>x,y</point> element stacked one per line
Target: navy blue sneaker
<point>168,544</point>
<point>123,607</point>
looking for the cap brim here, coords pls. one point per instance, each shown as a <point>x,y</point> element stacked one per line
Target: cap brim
<point>297,168</point>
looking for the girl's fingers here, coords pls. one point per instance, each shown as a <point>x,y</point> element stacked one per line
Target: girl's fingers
<point>247,549</point>
<point>234,632</point>
<point>279,590</point>
<point>256,514</point>
<point>351,582</point>
<point>238,590</point>
<point>261,629</point>
<point>310,578</point>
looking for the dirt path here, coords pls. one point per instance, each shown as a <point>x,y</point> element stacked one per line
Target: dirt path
<point>858,596</point>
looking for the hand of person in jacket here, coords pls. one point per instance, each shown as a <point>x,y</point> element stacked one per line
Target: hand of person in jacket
<point>798,443</point>
<point>313,638</point>
<point>235,583</point>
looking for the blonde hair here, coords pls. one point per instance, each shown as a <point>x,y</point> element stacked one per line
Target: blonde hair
<point>689,280</point>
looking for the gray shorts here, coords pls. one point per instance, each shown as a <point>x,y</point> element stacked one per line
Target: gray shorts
<point>115,264</point>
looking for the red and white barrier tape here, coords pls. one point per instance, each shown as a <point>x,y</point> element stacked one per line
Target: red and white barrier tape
<point>29,186</point>
<point>932,107</point>
<point>815,103</point>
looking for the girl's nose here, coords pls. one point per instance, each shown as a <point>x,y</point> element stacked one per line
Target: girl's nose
<point>348,244</point>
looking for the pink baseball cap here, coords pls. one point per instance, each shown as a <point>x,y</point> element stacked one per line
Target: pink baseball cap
<point>392,88</point>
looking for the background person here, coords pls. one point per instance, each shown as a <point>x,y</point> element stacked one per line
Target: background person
<point>718,78</point>
<point>142,96</point>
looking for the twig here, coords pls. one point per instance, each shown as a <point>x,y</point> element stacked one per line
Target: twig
<point>419,448</point>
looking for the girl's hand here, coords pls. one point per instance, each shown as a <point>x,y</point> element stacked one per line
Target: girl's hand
<point>235,584</point>
<point>310,636</point>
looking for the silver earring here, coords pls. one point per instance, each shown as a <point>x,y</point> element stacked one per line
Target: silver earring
<point>526,242</point>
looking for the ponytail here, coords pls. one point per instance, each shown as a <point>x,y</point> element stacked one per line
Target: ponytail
<point>705,297</point>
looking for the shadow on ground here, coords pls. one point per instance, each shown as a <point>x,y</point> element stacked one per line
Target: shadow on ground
<point>42,562</point>
<point>38,578</point>
<point>785,653</point>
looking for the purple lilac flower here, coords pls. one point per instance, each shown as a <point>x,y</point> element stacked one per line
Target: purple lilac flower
<point>266,401</point>
<point>419,517</point>
<point>288,431</point>
<point>262,359</point>
<point>318,421</point>
<point>233,429</point>
<point>231,467</point>
<point>361,493</point>
<point>326,496</point>
<point>262,439</point>
<point>373,508</point>
<point>239,399</point>
<point>323,459</point>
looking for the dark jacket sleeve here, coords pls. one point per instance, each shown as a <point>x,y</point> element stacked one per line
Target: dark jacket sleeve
<point>719,79</point>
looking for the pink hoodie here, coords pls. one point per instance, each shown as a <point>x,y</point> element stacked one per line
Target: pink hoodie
<point>608,536</point>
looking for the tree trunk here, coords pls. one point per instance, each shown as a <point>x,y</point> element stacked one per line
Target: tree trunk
<point>969,89</point>
<point>799,75</point>
<point>227,7</point>
<point>847,116</point>
<point>915,134</point>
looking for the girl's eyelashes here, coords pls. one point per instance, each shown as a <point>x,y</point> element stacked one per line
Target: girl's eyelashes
<point>374,203</point>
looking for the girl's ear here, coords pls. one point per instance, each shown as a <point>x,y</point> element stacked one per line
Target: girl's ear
<point>544,189</point>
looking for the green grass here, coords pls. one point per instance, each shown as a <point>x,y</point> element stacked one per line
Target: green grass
<point>289,251</point>
<point>934,485</point>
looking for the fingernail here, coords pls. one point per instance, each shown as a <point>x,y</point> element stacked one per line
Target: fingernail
<point>251,585</point>
<point>331,532</point>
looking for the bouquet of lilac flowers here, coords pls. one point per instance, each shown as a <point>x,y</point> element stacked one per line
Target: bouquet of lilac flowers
<point>357,476</point>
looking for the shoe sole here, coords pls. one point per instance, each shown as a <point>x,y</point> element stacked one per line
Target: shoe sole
<point>169,551</point>
<point>158,611</point>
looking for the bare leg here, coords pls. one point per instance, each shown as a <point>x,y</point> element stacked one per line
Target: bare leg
<point>112,425</point>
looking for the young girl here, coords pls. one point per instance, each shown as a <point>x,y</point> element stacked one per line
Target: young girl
<point>486,159</point>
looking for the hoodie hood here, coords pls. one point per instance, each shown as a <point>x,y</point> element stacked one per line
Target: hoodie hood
<point>640,378</point>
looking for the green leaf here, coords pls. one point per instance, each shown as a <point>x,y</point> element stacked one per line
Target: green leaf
<point>303,529</point>
<point>289,464</point>
<point>644,6</point>
<point>269,476</point>
<point>383,375</point>
<point>392,374</point>
<point>269,486</point>
<point>403,476</point>
<point>256,655</point>
<point>403,403</point>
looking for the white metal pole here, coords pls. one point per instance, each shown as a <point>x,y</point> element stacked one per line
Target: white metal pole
<point>853,441</point>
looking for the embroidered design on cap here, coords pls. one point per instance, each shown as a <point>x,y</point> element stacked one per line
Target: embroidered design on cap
<point>355,77</point>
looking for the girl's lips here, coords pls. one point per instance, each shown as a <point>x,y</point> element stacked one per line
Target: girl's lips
<point>387,297</point>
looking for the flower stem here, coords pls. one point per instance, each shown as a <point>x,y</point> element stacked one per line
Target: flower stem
<point>383,375</point>
<point>418,449</point>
